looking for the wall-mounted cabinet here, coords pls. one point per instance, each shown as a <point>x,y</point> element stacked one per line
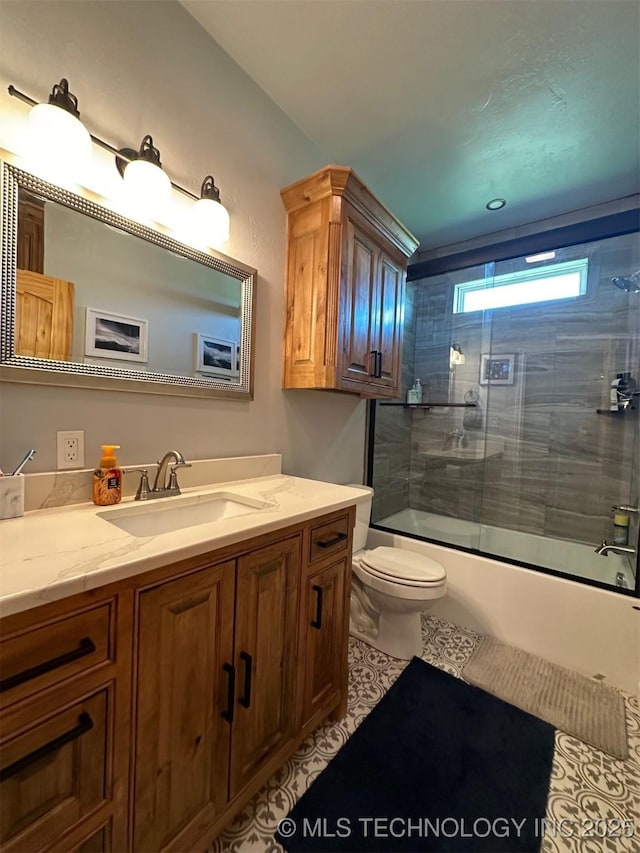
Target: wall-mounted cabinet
<point>346,267</point>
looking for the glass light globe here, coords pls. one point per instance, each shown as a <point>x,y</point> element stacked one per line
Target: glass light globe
<point>209,222</point>
<point>147,188</point>
<point>58,144</point>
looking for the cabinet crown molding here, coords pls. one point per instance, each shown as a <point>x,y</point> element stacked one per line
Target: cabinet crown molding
<point>342,181</point>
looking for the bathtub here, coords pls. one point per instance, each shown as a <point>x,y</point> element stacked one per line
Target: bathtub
<point>589,629</point>
<point>571,558</point>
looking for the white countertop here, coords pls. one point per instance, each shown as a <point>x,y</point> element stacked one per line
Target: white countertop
<point>54,553</point>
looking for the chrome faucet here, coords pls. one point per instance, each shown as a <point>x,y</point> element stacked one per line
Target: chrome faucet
<point>160,487</point>
<point>604,548</point>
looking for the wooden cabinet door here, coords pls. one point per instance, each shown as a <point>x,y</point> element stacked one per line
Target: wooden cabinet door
<point>54,772</point>
<point>44,316</point>
<point>388,321</point>
<point>265,657</point>
<point>185,637</point>
<point>30,234</point>
<point>358,303</point>
<point>323,637</point>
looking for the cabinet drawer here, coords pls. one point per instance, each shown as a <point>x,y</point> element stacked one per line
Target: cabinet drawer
<point>329,538</point>
<point>53,774</point>
<point>47,654</point>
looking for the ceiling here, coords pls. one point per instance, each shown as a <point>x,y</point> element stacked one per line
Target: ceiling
<point>441,105</point>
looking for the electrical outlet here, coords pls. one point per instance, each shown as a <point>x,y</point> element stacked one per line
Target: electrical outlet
<point>70,449</point>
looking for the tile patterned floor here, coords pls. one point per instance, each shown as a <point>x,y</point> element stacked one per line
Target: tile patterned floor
<point>589,789</point>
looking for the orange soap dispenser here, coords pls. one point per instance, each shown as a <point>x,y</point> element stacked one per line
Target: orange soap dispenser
<point>107,479</point>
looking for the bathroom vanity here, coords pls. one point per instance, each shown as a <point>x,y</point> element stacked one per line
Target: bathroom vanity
<point>152,684</point>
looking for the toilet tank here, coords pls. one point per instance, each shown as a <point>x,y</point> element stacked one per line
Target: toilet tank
<point>363,516</point>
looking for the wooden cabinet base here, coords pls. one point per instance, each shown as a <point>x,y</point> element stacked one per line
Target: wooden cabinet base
<point>168,700</point>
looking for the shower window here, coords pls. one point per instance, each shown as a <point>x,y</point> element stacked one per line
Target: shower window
<point>526,470</point>
<point>541,284</point>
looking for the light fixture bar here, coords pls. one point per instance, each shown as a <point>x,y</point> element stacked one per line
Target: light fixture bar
<point>118,152</point>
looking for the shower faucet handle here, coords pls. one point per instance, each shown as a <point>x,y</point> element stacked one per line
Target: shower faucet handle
<point>625,508</point>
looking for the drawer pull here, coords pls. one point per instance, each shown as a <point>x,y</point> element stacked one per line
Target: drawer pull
<point>339,537</point>
<point>245,699</point>
<point>85,647</point>
<point>231,691</point>
<point>317,622</point>
<point>85,724</point>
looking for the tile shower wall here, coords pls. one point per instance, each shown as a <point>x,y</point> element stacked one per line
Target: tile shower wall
<point>552,466</point>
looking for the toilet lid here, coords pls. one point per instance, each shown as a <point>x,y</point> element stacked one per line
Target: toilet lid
<point>403,565</point>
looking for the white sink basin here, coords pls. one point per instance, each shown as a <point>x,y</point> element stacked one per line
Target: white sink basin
<point>166,515</point>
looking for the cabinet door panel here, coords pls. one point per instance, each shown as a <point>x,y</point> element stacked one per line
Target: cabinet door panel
<point>182,742</point>
<point>266,621</point>
<point>30,234</point>
<point>390,279</point>
<point>54,773</point>
<point>322,616</point>
<point>44,316</point>
<point>358,303</point>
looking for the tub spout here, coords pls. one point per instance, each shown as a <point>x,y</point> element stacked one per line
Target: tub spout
<point>604,548</point>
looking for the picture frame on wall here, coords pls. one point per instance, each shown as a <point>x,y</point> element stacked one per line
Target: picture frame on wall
<point>215,356</point>
<point>116,336</point>
<point>497,369</point>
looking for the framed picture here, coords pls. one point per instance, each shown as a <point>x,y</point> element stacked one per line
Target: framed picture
<point>215,356</point>
<point>116,336</point>
<point>497,369</point>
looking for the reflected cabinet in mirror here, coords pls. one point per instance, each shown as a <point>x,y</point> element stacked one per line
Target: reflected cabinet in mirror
<point>92,299</point>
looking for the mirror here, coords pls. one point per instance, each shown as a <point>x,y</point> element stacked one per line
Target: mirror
<point>92,299</point>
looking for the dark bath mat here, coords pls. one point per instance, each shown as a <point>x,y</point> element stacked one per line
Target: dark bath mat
<point>442,766</point>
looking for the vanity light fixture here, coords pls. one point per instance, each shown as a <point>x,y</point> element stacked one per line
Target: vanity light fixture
<point>152,184</point>
<point>209,217</point>
<point>147,186</point>
<point>456,356</point>
<point>58,144</point>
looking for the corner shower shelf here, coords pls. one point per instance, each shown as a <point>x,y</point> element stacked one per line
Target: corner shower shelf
<point>433,405</point>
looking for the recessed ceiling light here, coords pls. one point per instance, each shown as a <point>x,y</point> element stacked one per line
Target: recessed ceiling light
<point>496,204</point>
<point>542,256</point>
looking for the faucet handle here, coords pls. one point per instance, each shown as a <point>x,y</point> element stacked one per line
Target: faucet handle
<point>173,476</point>
<point>143,488</point>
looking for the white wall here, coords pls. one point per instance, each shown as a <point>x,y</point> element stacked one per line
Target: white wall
<point>147,67</point>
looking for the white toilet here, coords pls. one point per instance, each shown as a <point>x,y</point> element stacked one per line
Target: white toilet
<point>390,588</point>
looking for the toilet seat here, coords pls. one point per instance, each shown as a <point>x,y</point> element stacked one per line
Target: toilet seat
<point>406,568</point>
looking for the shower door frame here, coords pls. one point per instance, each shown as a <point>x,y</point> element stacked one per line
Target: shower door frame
<point>601,228</point>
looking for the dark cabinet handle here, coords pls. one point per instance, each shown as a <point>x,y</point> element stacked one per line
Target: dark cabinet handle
<point>374,353</point>
<point>327,543</point>
<point>378,365</point>
<point>317,622</point>
<point>85,724</point>
<point>85,647</point>
<point>245,699</point>
<point>231,692</point>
